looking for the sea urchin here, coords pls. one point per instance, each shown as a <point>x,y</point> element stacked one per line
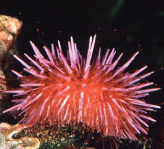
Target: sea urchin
<point>98,94</point>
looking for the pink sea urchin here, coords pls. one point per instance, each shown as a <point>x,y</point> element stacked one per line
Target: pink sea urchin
<point>74,88</point>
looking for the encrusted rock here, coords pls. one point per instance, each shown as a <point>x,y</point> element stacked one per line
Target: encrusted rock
<point>9,29</point>
<point>6,138</point>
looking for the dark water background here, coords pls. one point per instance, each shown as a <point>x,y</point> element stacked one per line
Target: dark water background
<point>127,25</point>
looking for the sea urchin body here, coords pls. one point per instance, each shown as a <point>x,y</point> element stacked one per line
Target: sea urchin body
<point>74,88</point>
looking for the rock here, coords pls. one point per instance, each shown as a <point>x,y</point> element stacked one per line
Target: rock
<point>6,138</point>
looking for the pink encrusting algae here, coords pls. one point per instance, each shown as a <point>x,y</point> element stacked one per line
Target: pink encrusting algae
<point>95,92</point>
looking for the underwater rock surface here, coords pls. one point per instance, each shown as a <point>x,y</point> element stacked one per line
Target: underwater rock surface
<point>6,138</point>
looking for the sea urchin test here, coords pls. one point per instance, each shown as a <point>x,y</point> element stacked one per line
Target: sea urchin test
<point>97,92</point>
